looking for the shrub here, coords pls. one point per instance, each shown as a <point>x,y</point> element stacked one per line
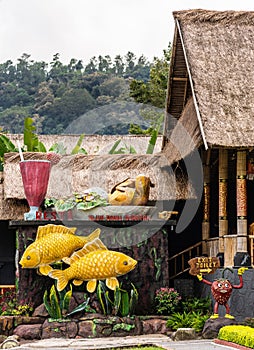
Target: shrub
<point>166,300</point>
<point>185,319</point>
<point>9,305</point>
<point>179,320</point>
<point>203,305</point>
<point>198,321</point>
<point>242,335</point>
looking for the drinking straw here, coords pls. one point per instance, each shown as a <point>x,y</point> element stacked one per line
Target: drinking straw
<point>20,151</point>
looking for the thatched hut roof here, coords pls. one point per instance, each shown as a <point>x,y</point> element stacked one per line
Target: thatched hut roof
<point>212,60</point>
<point>76,173</point>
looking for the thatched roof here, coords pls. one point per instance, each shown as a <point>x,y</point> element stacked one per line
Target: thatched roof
<point>76,173</point>
<point>79,172</point>
<point>212,60</point>
<point>185,137</point>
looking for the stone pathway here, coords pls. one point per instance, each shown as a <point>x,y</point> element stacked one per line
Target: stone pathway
<point>114,342</point>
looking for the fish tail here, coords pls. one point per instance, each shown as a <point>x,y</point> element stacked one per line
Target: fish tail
<point>61,278</point>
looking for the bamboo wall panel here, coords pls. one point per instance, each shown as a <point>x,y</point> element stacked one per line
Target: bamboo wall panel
<point>230,244</point>
<point>223,190</point>
<point>241,201</point>
<point>206,210</point>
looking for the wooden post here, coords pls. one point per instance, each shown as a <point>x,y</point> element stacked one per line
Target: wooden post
<point>223,193</point>
<point>241,201</point>
<point>206,211</point>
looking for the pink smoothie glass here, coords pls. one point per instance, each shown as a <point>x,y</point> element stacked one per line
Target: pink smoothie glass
<point>35,177</point>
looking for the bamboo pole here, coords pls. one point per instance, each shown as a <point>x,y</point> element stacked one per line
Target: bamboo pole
<point>223,193</point>
<point>241,201</point>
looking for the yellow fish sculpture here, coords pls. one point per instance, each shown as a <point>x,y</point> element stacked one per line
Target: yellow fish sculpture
<point>52,244</point>
<point>92,263</point>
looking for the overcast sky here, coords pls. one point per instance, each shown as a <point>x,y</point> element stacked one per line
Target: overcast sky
<point>84,28</point>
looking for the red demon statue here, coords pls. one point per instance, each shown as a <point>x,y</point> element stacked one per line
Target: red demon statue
<point>221,290</point>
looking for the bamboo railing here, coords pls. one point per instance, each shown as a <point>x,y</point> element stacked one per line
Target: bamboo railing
<point>178,263</point>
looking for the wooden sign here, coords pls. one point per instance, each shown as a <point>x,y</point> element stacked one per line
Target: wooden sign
<point>204,265</point>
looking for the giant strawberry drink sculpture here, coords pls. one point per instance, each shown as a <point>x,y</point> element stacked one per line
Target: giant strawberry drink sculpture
<point>221,290</point>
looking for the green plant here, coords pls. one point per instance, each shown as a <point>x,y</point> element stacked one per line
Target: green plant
<point>166,300</point>
<point>198,320</point>
<point>179,320</point>
<point>203,305</point>
<point>57,303</point>
<point>239,334</point>
<point>81,201</point>
<point>154,136</point>
<point>185,319</point>
<point>5,146</point>
<point>31,140</point>
<point>118,302</point>
<point>61,148</point>
<point>78,148</point>
<point>122,150</point>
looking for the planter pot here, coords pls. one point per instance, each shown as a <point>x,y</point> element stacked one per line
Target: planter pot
<point>35,177</point>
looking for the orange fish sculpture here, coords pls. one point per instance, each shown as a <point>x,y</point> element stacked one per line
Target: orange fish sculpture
<point>52,244</point>
<point>131,191</point>
<point>92,263</point>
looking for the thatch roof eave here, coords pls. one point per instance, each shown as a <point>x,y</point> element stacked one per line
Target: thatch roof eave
<point>219,52</point>
<point>192,87</point>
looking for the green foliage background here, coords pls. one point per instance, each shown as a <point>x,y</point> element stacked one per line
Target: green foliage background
<point>55,94</point>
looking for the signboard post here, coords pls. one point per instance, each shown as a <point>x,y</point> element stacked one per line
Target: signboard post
<point>203,265</point>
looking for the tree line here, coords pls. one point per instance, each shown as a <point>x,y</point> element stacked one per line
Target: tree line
<point>55,94</point>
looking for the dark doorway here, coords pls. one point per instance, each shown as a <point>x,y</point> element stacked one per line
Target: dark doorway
<point>7,254</point>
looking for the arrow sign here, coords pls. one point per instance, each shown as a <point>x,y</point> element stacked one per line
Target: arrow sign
<point>203,264</point>
<point>205,270</point>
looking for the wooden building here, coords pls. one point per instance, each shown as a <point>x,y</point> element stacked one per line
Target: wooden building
<point>210,95</point>
<point>205,165</point>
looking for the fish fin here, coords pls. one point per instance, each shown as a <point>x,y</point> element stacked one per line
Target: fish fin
<point>45,269</point>
<point>91,285</point>
<point>51,228</point>
<point>77,282</point>
<point>66,260</point>
<point>60,276</point>
<point>95,234</point>
<point>94,244</point>
<point>112,283</point>
<point>91,246</point>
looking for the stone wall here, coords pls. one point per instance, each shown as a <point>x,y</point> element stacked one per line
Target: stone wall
<point>88,326</point>
<point>241,300</point>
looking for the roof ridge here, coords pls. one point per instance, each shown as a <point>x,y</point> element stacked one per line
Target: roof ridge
<point>224,17</point>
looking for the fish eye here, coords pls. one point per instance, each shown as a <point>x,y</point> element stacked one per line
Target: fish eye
<point>125,262</point>
<point>28,257</point>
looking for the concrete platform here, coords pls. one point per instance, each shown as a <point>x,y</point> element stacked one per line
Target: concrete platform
<point>113,342</point>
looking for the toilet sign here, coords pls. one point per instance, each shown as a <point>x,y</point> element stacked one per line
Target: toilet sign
<point>203,265</point>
